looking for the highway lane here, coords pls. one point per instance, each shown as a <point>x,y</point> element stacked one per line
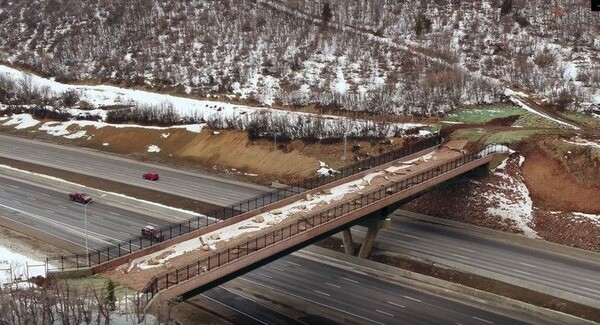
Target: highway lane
<point>349,296</point>
<point>85,161</point>
<point>245,310</point>
<point>414,237</point>
<point>53,213</point>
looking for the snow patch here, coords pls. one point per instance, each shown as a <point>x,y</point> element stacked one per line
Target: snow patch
<point>22,121</point>
<point>511,201</point>
<point>153,148</point>
<point>325,170</point>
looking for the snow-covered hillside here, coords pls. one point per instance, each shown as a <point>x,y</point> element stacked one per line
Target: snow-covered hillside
<point>282,53</point>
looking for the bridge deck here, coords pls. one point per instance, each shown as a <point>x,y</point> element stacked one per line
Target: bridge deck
<point>230,243</point>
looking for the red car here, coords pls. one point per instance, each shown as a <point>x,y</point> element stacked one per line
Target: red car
<point>151,176</point>
<point>151,233</point>
<point>80,197</point>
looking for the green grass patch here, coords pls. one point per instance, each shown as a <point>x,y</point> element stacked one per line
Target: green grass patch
<point>531,120</point>
<point>585,119</point>
<point>505,136</point>
<point>482,113</point>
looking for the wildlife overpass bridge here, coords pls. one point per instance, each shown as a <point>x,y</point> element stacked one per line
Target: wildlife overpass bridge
<point>367,197</point>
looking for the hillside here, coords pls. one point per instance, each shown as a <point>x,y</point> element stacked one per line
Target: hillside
<point>401,57</point>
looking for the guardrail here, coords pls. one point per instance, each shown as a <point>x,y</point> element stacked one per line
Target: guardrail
<point>306,223</point>
<point>117,250</point>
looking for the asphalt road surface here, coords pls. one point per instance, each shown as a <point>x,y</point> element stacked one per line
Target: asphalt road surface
<point>196,186</point>
<point>415,237</point>
<point>325,293</point>
<point>54,214</point>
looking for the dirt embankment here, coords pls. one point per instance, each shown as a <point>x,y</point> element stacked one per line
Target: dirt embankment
<point>559,191</point>
<point>227,153</point>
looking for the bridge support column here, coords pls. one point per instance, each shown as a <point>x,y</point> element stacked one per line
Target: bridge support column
<point>348,242</point>
<point>373,228</point>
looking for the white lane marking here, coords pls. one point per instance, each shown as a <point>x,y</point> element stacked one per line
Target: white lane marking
<point>395,304</point>
<point>523,272</point>
<point>333,285</point>
<point>17,202</point>
<point>69,227</point>
<point>265,275</point>
<point>461,256</point>
<point>353,281</point>
<point>483,320</point>
<point>50,211</point>
<point>411,298</point>
<point>114,213</point>
<point>276,268</point>
<point>1,190</point>
<point>296,264</point>
<point>321,293</point>
<point>125,233</point>
<point>13,186</point>
<point>383,312</point>
<point>62,206</point>
<point>592,281</point>
<point>32,198</point>
<point>46,195</point>
<point>311,301</point>
<point>153,225</point>
<point>533,266</point>
<point>409,236</point>
<point>239,311</point>
<point>466,249</point>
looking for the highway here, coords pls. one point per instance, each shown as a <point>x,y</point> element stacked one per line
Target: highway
<point>115,168</point>
<point>52,213</point>
<point>426,240</point>
<point>316,291</point>
<point>442,243</point>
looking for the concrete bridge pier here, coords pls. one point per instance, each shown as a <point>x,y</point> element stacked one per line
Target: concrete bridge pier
<point>373,228</point>
<point>348,242</point>
<point>373,225</point>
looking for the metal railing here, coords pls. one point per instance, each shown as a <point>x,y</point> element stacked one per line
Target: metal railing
<point>306,223</point>
<point>118,250</point>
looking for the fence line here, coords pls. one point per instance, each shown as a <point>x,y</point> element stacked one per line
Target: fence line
<point>118,250</point>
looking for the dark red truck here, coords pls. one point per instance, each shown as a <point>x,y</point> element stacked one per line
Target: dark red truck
<point>80,197</point>
<point>151,233</point>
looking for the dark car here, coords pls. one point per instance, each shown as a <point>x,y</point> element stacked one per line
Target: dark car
<point>151,176</point>
<point>80,197</point>
<point>151,233</point>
